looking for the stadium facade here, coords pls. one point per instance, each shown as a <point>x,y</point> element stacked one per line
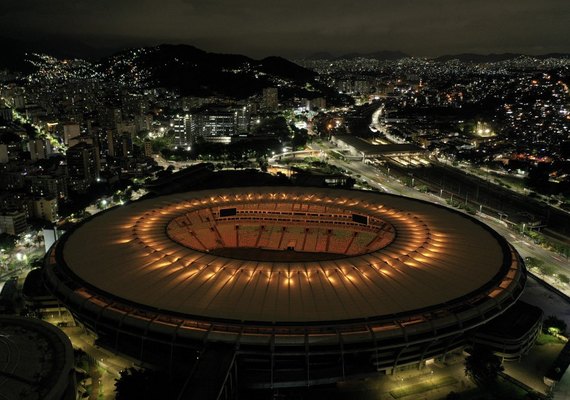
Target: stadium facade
<point>301,285</point>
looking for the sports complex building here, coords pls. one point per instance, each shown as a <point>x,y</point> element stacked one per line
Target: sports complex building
<point>293,285</point>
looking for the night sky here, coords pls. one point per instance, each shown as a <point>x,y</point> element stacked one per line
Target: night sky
<point>298,27</point>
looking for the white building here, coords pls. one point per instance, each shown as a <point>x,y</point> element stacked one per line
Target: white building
<point>45,208</point>
<point>13,222</point>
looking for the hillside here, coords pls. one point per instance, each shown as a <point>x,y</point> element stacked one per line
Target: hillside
<point>196,72</point>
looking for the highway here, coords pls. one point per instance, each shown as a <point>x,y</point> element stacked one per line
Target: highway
<point>468,184</point>
<point>376,122</point>
<point>382,182</point>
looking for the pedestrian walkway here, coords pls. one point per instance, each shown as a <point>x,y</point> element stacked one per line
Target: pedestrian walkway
<point>108,365</point>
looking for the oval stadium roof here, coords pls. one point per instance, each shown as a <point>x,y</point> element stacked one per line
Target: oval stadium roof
<point>392,254</point>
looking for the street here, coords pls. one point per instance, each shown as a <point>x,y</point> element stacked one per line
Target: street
<point>383,182</point>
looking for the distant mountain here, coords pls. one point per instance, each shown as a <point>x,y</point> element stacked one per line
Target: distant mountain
<point>188,70</point>
<point>478,58</point>
<point>489,58</point>
<point>553,55</point>
<point>286,69</point>
<point>379,55</point>
<point>15,53</point>
<point>193,71</point>
<point>321,55</point>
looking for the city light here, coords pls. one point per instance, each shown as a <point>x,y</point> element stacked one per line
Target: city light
<point>361,213</point>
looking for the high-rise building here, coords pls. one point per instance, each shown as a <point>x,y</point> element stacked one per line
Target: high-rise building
<point>13,222</point>
<point>48,185</point>
<point>4,156</point>
<point>117,115</point>
<point>5,113</point>
<point>45,208</point>
<point>316,103</point>
<point>82,166</point>
<point>270,99</point>
<point>70,131</point>
<point>111,143</point>
<point>148,148</point>
<point>182,127</point>
<point>213,123</point>
<point>241,119</point>
<point>19,100</point>
<point>143,122</point>
<point>10,148</point>
<point>126,149</point>
<point>39,149</point>
<point>127,128</point>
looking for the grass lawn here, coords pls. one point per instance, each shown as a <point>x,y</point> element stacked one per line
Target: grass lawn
<point>422,387</point>
<point>543,338</point>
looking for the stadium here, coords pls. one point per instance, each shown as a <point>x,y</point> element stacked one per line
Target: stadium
<point>295,286</point>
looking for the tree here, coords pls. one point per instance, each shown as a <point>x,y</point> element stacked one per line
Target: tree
<point>546,269</point>
<point>276,126</point>
<point>532,262</point>
<point>36,262</point>
<point>145,384</point>
<point>161,143</point>
<point>482,366</point>
<point>133,383</point>
<point>300,139</point>
<point>263,164</point>
<point>7,242</point>
<point>564,278</point>
<point>553,324</point>
<point>538,177</point>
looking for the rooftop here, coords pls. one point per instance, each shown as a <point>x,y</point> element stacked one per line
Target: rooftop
<point>391,254</point>
<point>370,150</point>
<point>36,359</point>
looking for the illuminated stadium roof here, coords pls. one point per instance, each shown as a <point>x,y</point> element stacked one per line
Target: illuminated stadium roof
<point>287,254</point>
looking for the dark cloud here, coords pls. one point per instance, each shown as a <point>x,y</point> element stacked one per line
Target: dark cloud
<point>297,27</point>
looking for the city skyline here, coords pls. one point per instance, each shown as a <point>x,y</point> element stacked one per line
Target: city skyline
<point>321,200</point>
<point>294,29</point>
